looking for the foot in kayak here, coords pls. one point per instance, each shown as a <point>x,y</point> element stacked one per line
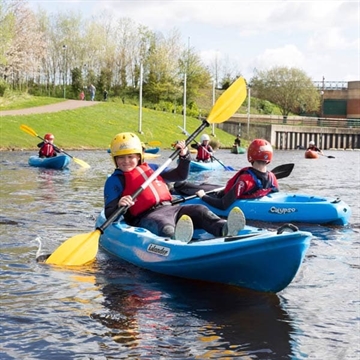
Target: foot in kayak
<point>235,222</point>
<point>184,229</point>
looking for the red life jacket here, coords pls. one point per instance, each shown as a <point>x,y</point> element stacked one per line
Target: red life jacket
<point>204,152</point>
<point>246,178</point>
<point>47,150</point>
<point>154,194</point>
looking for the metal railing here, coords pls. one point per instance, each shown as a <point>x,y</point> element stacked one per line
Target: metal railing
<point>299,121</point>
<point>331,85</point>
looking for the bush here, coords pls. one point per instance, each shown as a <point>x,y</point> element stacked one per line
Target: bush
<point>3,87</point>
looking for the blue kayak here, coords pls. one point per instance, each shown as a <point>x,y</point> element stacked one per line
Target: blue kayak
<point>205,166</point>
<point>153,150</point>
<point>284,207</point>
<point>256,259</point>
<point>58,162</point>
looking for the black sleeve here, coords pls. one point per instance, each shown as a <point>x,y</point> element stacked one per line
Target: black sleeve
<point>221,201</point>
<point>39,145</point>
<point>111,208</point>
<point>181,172</point>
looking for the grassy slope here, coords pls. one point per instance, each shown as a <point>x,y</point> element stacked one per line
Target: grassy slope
<point>94,127</point>
<point>15,101</point>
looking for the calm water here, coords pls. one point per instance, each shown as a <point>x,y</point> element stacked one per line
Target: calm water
<point>113,310</point>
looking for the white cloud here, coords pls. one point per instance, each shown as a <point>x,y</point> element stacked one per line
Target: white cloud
<point>317,36</point>
<point>288,55</point>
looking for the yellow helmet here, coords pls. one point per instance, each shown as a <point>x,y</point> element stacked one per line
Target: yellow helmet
<point>125,144</point>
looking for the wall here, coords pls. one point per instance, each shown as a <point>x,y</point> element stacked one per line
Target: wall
<point>290,137</point>
<point>343,102</point>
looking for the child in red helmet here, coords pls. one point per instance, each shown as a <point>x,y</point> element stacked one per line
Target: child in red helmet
<point>250,182</point>
<point>47,148</point>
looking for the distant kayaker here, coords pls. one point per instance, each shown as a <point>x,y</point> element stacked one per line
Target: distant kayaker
<point>248,183</point>
<point>47,147</point>
<point>204,149</point>
<point>237,141</point>
<point>313,147</point>
<point>152,209</point>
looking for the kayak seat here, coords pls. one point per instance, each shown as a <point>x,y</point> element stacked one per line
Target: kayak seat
<point>287,228</point>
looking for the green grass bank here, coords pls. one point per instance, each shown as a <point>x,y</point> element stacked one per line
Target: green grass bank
<point>94,127</point>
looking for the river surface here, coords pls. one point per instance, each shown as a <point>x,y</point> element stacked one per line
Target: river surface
<point>113,310</point>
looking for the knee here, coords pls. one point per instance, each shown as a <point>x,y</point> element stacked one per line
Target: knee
<point>168,231</point>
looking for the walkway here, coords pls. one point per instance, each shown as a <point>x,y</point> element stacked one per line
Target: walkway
<point>65,105</point>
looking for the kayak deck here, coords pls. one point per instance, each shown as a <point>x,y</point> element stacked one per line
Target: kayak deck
<point>286,207</point>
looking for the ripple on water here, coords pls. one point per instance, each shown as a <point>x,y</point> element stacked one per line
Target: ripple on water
<point>111,309</point>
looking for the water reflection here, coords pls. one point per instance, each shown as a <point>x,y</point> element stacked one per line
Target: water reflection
<point>146,314</point>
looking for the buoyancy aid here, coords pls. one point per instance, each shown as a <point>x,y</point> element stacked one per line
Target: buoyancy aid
<point>204,152</point>
<point>154,194</point>
<point>252,183</point>
<point>47,150</point>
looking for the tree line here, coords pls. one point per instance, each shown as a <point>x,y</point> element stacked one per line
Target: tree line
<point>62,54</point>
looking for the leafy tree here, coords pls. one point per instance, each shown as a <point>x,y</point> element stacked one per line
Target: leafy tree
<point>198,77</point>
<point>77,83</point>
<point>289,88</point>
<point>104,80</point>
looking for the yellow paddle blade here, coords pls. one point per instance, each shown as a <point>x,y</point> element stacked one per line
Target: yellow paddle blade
<point>81,163</point>
<point>227,104</point>
<point>76,251</point>
<point>28,130</point>
<point>151,156</point>
<point>154,143</point>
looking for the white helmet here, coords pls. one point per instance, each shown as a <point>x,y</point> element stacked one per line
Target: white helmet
<point>204,137</point>
<point>312,142</point>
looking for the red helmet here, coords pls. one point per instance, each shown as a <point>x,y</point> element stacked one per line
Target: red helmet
<point>260,150</point>
<point>49,137</point>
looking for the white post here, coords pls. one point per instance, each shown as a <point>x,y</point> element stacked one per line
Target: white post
<point>213,102</point>
<point>64,86</point>
<point>185,78</point>
<point>140,98</point>
<point>248,112</point>
<point>184,103</point>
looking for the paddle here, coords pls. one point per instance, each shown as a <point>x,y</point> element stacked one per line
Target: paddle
<point>280,172</point>
<point>30,131</point>
<point>328,156</point>
<point>82,249</point>
<point>228,168</point>
<point>153,143</point>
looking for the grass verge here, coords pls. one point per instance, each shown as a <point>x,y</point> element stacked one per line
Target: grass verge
<point>94,127</point>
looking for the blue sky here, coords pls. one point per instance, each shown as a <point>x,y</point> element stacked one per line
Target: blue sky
<point>321,37</point>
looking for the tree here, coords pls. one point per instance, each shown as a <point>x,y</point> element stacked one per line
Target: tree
<point>289,88</point>
<point>19,30</point>
<point>198,77</point>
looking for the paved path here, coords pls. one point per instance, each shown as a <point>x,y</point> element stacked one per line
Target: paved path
<point>65,105</point>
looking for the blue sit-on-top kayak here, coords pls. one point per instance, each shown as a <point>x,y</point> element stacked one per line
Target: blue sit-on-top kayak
<point>204,166</point>
<point>153,150</point>
<point>279,207</point>
<point>58,162</point>
<point>256,259</point>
